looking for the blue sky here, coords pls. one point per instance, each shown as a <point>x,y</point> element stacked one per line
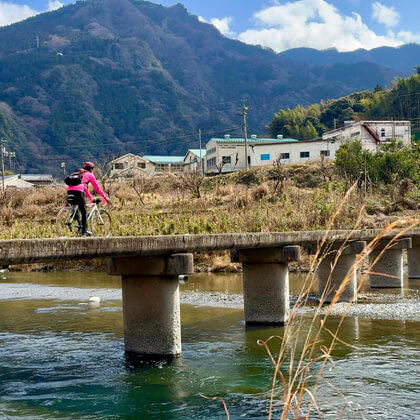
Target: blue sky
<point>283,24</point>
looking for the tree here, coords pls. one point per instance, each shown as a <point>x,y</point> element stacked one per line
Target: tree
<point>350,160</point>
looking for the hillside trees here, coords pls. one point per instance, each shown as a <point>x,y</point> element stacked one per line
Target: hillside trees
<point>402,101</point>
<point>392,164</point>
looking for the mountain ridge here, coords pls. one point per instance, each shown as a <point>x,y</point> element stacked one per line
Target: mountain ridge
<point>103,77</point>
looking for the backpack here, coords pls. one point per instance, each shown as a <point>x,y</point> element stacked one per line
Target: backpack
<point>75,178</point>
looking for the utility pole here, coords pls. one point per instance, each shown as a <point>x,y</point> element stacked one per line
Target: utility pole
<point>201,157</point>
<point>244,111</point>
<point>2,143</point>
<point>10,155</point>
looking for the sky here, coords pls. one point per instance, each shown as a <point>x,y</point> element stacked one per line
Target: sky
<point>283,24</point>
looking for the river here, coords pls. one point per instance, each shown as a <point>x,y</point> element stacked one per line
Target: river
<point>61,357</point>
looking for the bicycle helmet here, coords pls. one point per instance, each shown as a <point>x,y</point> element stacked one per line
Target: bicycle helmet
<point>88,165</point>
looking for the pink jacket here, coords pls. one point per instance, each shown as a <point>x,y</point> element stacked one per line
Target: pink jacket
<point>83,186</point>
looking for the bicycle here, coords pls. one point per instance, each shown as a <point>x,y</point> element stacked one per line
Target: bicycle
<point>69,220</point>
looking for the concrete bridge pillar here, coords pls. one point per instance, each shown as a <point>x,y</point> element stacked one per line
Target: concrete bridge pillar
<point>413,259</point>
<point>332,273</point>
<point>388,270</point>
<point>151,309</point>
<point>266,283</point>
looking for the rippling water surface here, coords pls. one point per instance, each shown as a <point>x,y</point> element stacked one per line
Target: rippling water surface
<point>63,358</point>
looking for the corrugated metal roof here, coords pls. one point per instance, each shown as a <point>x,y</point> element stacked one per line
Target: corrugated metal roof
<point>36,177</point>
<point>164,159</point>
<point>197,152</point>
<point>253,140</point>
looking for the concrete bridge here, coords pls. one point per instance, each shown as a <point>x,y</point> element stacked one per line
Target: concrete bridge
<point>150,265</point>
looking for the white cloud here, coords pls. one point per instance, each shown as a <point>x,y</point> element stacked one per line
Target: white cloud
<point>222,24</point>
<point>54,5</point>
<point>11,13</point>
<point>316,24</point>
<point>386,15</point>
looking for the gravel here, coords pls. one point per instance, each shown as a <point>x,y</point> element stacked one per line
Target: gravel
<point>372,305</point>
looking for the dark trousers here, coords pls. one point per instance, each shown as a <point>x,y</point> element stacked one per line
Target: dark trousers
<point>78,198</point>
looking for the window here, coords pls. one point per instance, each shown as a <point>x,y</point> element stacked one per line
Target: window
<point>304,154</point>
<point>118,166</point>
<point>284,155</point>
<point>382,132</point>
<point>265,156</point>
<point>226,159</point>
<point>141,165</point>
<point>325,153</point>
<point>211,162</point>
<point>355,134</point>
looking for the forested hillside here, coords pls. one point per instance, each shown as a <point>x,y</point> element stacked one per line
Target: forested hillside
<point>401,102</point>
<point>103,77</point>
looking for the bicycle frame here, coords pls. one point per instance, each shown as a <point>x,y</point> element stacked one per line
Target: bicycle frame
<point>93,208</point>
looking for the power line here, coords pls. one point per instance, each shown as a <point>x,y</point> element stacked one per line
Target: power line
<point>149,142</point>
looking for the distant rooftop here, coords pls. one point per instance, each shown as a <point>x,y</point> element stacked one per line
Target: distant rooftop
<point>36,177</point>
<point>197,152</point>
<point>164,159</point>
<point>253,140</point>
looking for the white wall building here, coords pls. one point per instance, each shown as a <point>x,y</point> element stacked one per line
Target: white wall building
<point>228,154</point>
<point>372,134</point>
<point>194,159</point>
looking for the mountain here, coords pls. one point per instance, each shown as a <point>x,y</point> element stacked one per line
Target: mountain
<point>404,58</point>
<point>99,78</point>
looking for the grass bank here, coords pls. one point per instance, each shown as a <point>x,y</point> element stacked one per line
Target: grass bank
<point>294,197</point>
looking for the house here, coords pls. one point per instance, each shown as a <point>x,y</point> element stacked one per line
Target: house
<point>194,160</point>
<point>128,165</point>
<point>14,181</point>
<point>164,164</point>
<point>372,134</point>
<point>37,179</point>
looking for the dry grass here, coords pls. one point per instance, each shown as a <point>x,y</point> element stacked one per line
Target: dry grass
<point>240,202</point>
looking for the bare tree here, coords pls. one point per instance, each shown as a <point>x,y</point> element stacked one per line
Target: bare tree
<point>193,182</point>
<point>326,169</point>
<point>280,175</point>
<point>142,185</point>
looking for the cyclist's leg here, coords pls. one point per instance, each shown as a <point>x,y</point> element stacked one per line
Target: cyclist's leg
<point>78,198</point>
<point>73,200</point>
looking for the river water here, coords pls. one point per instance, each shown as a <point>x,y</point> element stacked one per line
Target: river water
<point>61,357</point>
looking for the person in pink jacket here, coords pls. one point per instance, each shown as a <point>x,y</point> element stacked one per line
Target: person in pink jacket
<point>76,194</point>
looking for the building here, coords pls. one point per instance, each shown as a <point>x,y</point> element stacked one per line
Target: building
<point>164,164</point>
<point>38,179</point>
<point>129,165</point>
<point>228,154</point>
<point>372,134</point>
<point>194,160</point>
<point>15,181</point>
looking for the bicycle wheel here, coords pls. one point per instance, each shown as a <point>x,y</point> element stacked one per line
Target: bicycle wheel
<point>101,223</point>
<point>67,223</point>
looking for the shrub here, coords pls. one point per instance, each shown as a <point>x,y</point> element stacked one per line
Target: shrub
<point>258,193</point>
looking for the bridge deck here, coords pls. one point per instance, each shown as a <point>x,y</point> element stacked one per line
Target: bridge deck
<point>46,250</point>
